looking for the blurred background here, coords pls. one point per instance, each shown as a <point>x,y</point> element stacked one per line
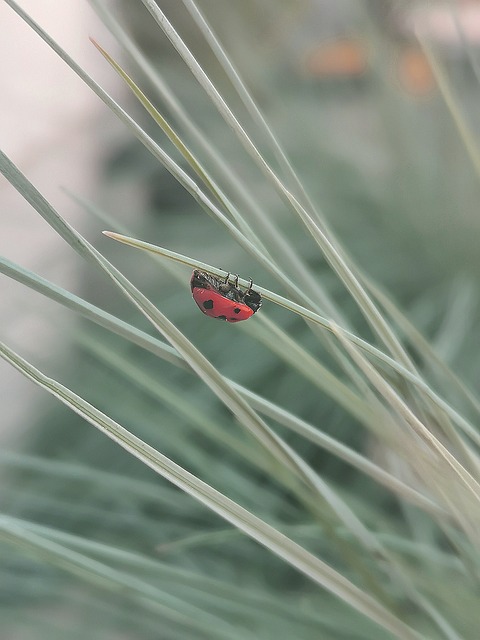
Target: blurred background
<point>355,101</point>
<point>56,131</point>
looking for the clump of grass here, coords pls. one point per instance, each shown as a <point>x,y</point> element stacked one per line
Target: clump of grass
<point>246,423</point>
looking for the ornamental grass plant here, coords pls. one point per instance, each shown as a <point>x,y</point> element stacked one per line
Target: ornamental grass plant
<point>312,472</point>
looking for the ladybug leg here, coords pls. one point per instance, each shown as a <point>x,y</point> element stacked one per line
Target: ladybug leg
<point>250,285</point>
<point>235,281</point>
<point>227,278</point>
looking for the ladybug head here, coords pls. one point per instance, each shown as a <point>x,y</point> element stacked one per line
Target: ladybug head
<point>253,300</point>
<point>202,280</point>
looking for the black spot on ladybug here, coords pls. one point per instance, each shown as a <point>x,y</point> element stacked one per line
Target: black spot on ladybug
<point>236,310</point>
<point>222,317</point>
<point>208,304</point>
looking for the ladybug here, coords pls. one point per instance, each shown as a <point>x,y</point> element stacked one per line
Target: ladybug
<point>223,300</point>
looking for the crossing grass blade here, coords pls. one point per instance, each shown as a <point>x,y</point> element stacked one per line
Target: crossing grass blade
<point>330,326</point>
<point>254,527</point>
<point>166,352</point>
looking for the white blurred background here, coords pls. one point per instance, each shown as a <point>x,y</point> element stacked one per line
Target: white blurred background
<point>50,125</point>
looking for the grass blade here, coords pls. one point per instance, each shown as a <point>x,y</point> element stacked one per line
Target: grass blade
<point>252,526</point>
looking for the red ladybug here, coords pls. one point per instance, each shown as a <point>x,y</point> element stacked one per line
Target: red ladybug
<point>221,299</point>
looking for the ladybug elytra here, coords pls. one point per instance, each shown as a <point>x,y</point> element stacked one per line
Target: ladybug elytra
<point>223,300</point>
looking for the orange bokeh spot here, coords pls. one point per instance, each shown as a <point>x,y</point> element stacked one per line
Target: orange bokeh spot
<point>414,72</point>
<point>339,59</point>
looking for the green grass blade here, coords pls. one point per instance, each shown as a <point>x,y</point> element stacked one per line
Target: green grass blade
<point>425,350</point>
<point>100,575</point>
<point>166,352</point>
<point>333,256</point>
<point>215,381</point>
<point>264,226</point>
<point>194,163</point>
<point>449,461</point>
<point>466,134</point>
<point>282,455</point>
<point>314,317</point>
<point>91,312</point>
<point>252,526</point>
<point>253,604</point>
